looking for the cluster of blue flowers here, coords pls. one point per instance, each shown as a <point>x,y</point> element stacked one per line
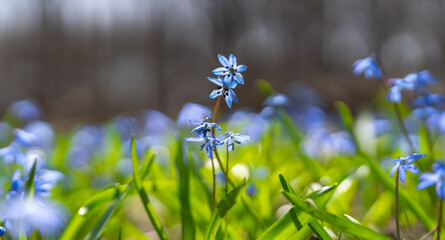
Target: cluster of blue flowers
<point>231,72</point>
<point>427,107</point>
<point>23,210</point>
<point>228,77</point>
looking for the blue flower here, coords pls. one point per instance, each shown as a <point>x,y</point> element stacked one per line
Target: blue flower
<point>398,85</point>
<point>406,163</point>
<point>225,88</point>
<point>36,134</point>
<point>208,142</point>
<point>44,181</point>
<point>429,100</point>
<point>437,178</point>
<point>2,231</point>
<point>420,79</point>
<point>12,154</point>
<point>191,112</point>
<point>230,69</point>
<point>204,127</point>
<point>276,100</point>
<point>251,190</point>
<point>23,215</point>
<point>428,105</point>
<point>232,138</point>
<point>26,111</point>
<point>369,66</point>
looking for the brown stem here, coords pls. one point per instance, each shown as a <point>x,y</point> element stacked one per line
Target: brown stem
<point>397,205</point>
<point>215,110</point>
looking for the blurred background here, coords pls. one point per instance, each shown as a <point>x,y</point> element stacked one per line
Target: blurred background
<point>90,60</point>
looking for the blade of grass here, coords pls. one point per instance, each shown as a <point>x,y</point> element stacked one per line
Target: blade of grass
<point>313,166</point>
<point>319,230</point>
<point>294,220</point>
<point>97,230</point>
<point>30,182</point>
<point>188,225</point>
<point>143,195</point>
<point>343,224</point>
<point>221,210</point>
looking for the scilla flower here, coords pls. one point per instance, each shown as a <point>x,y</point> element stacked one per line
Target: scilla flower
<point>225,88</point>
<point>429,100</point>
<point>232,138</point>
<point>230,69</point>
<point>398,85</point>
<point>420,79</point>
<point>428,105</point>
<point>406,163</point>
<point>368,66</point>
<point>208,142</point>
<point>437,178</point>
<point>204,127</point>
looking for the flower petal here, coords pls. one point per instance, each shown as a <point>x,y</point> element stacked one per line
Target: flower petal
<point>216,93</point>
<point>412,168</point>
<point>394,169</point>
<point>240,68</point>
<point>216,81</point>
<point>440,189</point>
<point>239,78</point>
<point>426,180</point>
<point>194,139</point>
<point>416,156</point>
<point>402,174</point>
<point>232,60</point>
<point>394,95</point>
<point>220,71</point>
<point>233,95</point>
<point>228,98</point>
<point>223,60</point>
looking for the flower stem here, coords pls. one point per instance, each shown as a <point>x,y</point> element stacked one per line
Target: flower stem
<point>403,128</point>
<point>397,205</point>
<point>214,185</point>
<point>430,141</point>
<point>215,111</point>
<point>396,109</point>
<point>439,220</point>
<point>227,169</point>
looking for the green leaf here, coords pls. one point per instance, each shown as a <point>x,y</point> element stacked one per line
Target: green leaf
<point>345,115</point>
<point>342,223</point>
<point>319,230</point>
<point>143,195</point>
<point>119,235</point>
<point>30,181</point>
<point>313,166</point>
<point>97,231</point>
<point>88,210</point>
<point>188,225</point>
<point>264,87</point>
<point>221,210</point>
<point>295,220</point>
